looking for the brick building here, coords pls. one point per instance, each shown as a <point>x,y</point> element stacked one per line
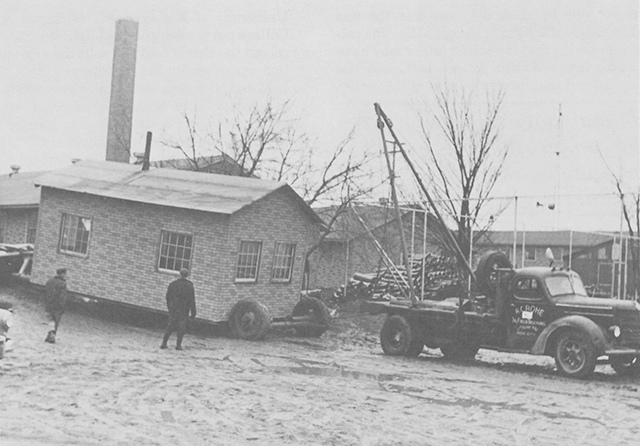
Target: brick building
<point>535,244</point>
<point>19,199</point>
<point>124,234</point>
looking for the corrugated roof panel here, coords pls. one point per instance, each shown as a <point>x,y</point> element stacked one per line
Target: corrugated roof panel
<point>167,187</point>
<point>19,190</point>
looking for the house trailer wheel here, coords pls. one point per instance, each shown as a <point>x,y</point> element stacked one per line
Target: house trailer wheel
<point>626,365</point>
<point>486,274</point>
<point>395,336</point>
<point>249,319</point>
<point>575,355</point>
<point>459,350</point>
<point>317,311</point>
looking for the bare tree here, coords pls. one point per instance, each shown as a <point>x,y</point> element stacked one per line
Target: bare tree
<point>267,143</point>
<point>465,158</point>
<point>630,203</point>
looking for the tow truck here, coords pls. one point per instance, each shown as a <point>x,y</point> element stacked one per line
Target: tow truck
<point>534,310</point>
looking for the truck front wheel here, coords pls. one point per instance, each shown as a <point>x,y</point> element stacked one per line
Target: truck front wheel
<point>626,365</point>
<point>575,355</point>
<point>395,336</point>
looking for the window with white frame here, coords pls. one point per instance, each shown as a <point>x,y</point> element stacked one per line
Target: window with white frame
<point>74,234</point>
<point>282,262</point>
<point>175,251</point>
<point>32,222</point>
<point>248,261</point>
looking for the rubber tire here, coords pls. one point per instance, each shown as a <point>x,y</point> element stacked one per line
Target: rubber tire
<point>457,351</point>
<point>415,348</point>
<point>574,346</point>
<point>249,319</point>
<point>626,366</point>
<point>311,306</point>
<point>395,336</point>
<point>486,280</point>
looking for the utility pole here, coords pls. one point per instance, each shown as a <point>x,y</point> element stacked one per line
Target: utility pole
<point>394,197</point>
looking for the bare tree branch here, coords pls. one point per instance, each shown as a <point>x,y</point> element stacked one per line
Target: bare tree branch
<point>465,157</point>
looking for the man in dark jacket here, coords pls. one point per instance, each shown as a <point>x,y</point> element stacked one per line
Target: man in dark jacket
<point>181,300</point>
<point>55,301</point>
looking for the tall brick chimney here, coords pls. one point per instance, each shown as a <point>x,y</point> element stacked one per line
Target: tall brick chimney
<point>122,86</point>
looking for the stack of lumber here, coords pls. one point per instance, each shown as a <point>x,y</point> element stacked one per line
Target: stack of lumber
<point>441,280</point>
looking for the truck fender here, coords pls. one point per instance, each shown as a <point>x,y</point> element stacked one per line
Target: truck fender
<point>579,323</point>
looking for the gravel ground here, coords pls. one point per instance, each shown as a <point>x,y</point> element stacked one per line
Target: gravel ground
<point>106,382</point>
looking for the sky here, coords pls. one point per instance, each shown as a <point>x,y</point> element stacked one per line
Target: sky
<point>333,60</point>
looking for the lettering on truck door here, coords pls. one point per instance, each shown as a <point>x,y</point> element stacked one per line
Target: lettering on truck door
<point>528,313</point>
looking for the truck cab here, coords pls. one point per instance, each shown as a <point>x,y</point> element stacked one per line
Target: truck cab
<point>546,311</point>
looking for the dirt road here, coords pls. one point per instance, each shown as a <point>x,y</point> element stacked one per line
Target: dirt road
<point>106,382</point>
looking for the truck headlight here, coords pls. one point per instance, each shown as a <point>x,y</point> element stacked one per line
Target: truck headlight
<point>615,331</point>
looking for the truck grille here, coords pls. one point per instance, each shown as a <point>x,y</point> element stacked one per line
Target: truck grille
<point>629,322</point>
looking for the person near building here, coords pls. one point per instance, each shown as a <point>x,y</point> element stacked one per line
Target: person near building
<point>55,301</point>
<point>181,301</point>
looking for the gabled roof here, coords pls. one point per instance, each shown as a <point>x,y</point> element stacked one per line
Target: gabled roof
<point>17,190</point>
<point>543,238</point>
<point>222,194</point>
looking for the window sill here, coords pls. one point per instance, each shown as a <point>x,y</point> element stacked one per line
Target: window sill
<point>245,281</point>
<point>73,254</point>
<point>168,271</point>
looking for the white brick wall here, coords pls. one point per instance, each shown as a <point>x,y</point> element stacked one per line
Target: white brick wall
<point>125,239</point>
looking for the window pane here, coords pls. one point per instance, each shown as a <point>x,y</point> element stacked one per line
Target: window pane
<point>248,261</point>
<point>74,235</point>
<point>282,262</point>
<point>175,251</point>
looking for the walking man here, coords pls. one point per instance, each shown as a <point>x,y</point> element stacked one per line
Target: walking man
<point>55,301</point>
<point>181,300</point>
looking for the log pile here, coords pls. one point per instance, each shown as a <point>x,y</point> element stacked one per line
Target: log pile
<point>442,279</point>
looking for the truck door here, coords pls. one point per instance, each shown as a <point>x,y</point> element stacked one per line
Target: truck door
<point>527,313</point>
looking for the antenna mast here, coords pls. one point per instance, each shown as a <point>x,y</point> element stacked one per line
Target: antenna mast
<point>556,185</point>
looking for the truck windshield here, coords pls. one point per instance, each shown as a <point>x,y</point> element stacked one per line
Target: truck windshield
<point>559,285</point>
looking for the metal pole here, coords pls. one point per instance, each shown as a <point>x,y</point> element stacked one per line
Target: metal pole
<point>470,251</point>
<point>620,250</point>
<point>413,233</point>
<point>515,232</point>
<point>346,268</point>
<point>626,267</point>
<point>454,244</point>
<point>424,250</point>
<point>524,236</point>
<point>394,197</point>
<point>147,152</point>
<point>570,247</point>
<point>613,268</point>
